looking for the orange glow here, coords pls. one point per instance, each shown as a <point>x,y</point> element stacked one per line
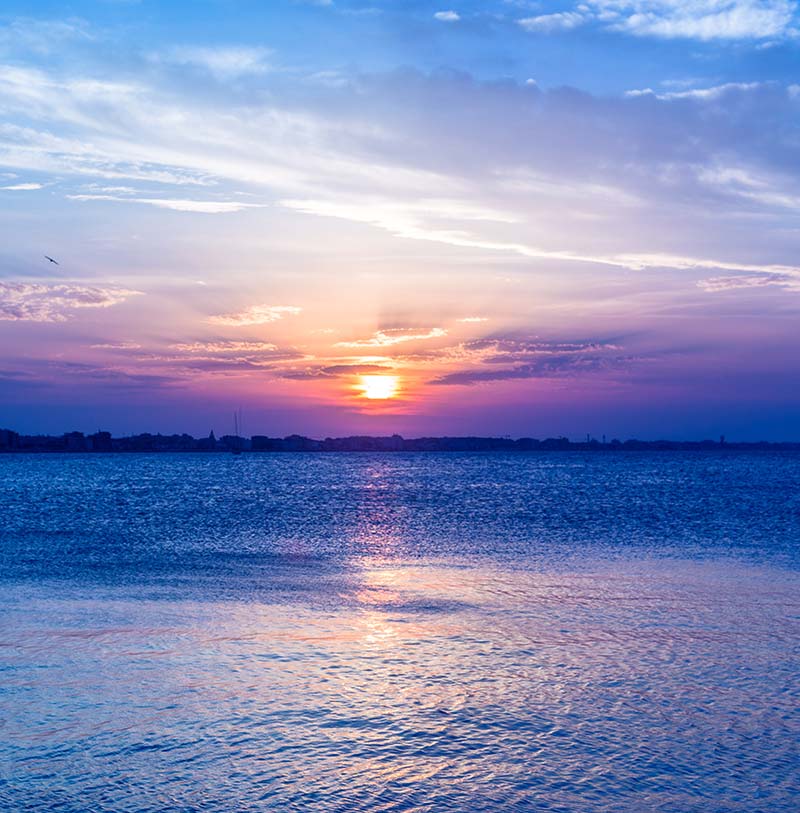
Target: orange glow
<point>378,387</point>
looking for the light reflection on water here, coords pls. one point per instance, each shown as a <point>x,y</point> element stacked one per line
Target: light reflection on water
<point>395,675</point>
<point>429,687</point>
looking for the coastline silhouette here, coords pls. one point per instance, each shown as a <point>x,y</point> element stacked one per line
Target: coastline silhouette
<point>103,442</point>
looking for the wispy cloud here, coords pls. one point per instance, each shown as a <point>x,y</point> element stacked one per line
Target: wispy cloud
<point>673,19</point>
<point>225,347</point>
<point>698,94</point>
<point>548,368</point>
<point>392,336</point>
<point>255,315</point>
<point>408,225</point>
<point>42,36</point>
<point>180,364</point>
<point>700,19</point>
<point>447,16</point>
<point>21,187</point>
<point>68,374</point>
<point>732,283</point>
<point>116,346</point>
<point>512,358</point>
<point>322,371</point>
<point>209,207</point>
<point>39,302</point>
<point>560,21</point>
<point>223,62</point>
<point>627,165</point>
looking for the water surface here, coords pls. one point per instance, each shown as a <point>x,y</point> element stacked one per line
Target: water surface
<point>558,631</point>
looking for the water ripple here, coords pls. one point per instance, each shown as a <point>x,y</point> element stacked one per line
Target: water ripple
<point>476,634</point>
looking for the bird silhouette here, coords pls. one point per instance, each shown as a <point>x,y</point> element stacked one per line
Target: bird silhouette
<point>51,259</point>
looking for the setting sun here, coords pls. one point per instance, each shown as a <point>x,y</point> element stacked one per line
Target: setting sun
<point>378,386</point>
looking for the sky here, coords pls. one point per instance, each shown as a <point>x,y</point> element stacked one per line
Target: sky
<point>367,217</point>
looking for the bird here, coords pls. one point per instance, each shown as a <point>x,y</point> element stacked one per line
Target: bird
<point>51,259</point>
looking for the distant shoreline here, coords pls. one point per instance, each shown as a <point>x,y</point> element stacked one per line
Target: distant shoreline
<point>104,443</point>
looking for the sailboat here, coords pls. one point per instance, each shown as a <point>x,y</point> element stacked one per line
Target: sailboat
<point>236,448</point>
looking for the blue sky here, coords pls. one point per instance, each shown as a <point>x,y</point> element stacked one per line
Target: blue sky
<point>537,218</point>
<point>601,47</point>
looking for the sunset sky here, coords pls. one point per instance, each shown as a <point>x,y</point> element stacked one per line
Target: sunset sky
<point>500,217</point>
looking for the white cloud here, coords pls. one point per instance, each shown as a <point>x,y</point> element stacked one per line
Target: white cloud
<point>391,336</point>
<point>209,207</point>
<point>697,19</point>
<point>221,62</point>
<point>699,94</point>
<point>39,302</point>
<point>255,315</point>
<point>136,131</point>
<point>405,224</point>
<point>473,319</point>
<point>670,19</point>
<point>42,36</point>
<point>447,16</point>
<point>349,155</point>
<point>560,21</point>
<point>732,283</point>
<point>22,187</point>
<point>745,184</point>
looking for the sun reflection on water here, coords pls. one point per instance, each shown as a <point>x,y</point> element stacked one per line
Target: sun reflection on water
<point>452,685</point>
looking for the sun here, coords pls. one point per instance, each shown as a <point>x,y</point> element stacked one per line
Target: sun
<point>378,387</point>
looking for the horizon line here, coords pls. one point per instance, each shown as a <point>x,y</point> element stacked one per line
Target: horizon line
<point>104,441</point>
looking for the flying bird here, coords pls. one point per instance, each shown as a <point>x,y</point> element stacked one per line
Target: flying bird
<point>51,259</point>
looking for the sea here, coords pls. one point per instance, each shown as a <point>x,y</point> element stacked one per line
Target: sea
<point>557,631</point>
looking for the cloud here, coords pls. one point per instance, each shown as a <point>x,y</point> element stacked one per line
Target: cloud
<point>642,261</point>
<point>209,207</point>
<point>547,23</point>
<point>649,192</point>
<point>222,62</point>
<point>544,369</point>
<point>447,16</point>
<point>38,302</point>
<point>392,336</point>
<point>214,362</point>
<point>27,34</point>
<point>255,315</point>
<point>673,19</point>
<point>698,94</point>
<point>226,347</point>
<point>743,183</point>
<point>407,224</point>
<point>510,358</point>
<point>731,283</point>
<point>334,371</point>
<point>68,372</point>
<point>116,346</point>
<point>621,183</point>
<point>212,358</point>
<point>21,187</point>
<point>699,19</point>
<point>514,344</point>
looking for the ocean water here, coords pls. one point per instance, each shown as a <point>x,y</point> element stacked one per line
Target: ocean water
<point>421,632</point>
